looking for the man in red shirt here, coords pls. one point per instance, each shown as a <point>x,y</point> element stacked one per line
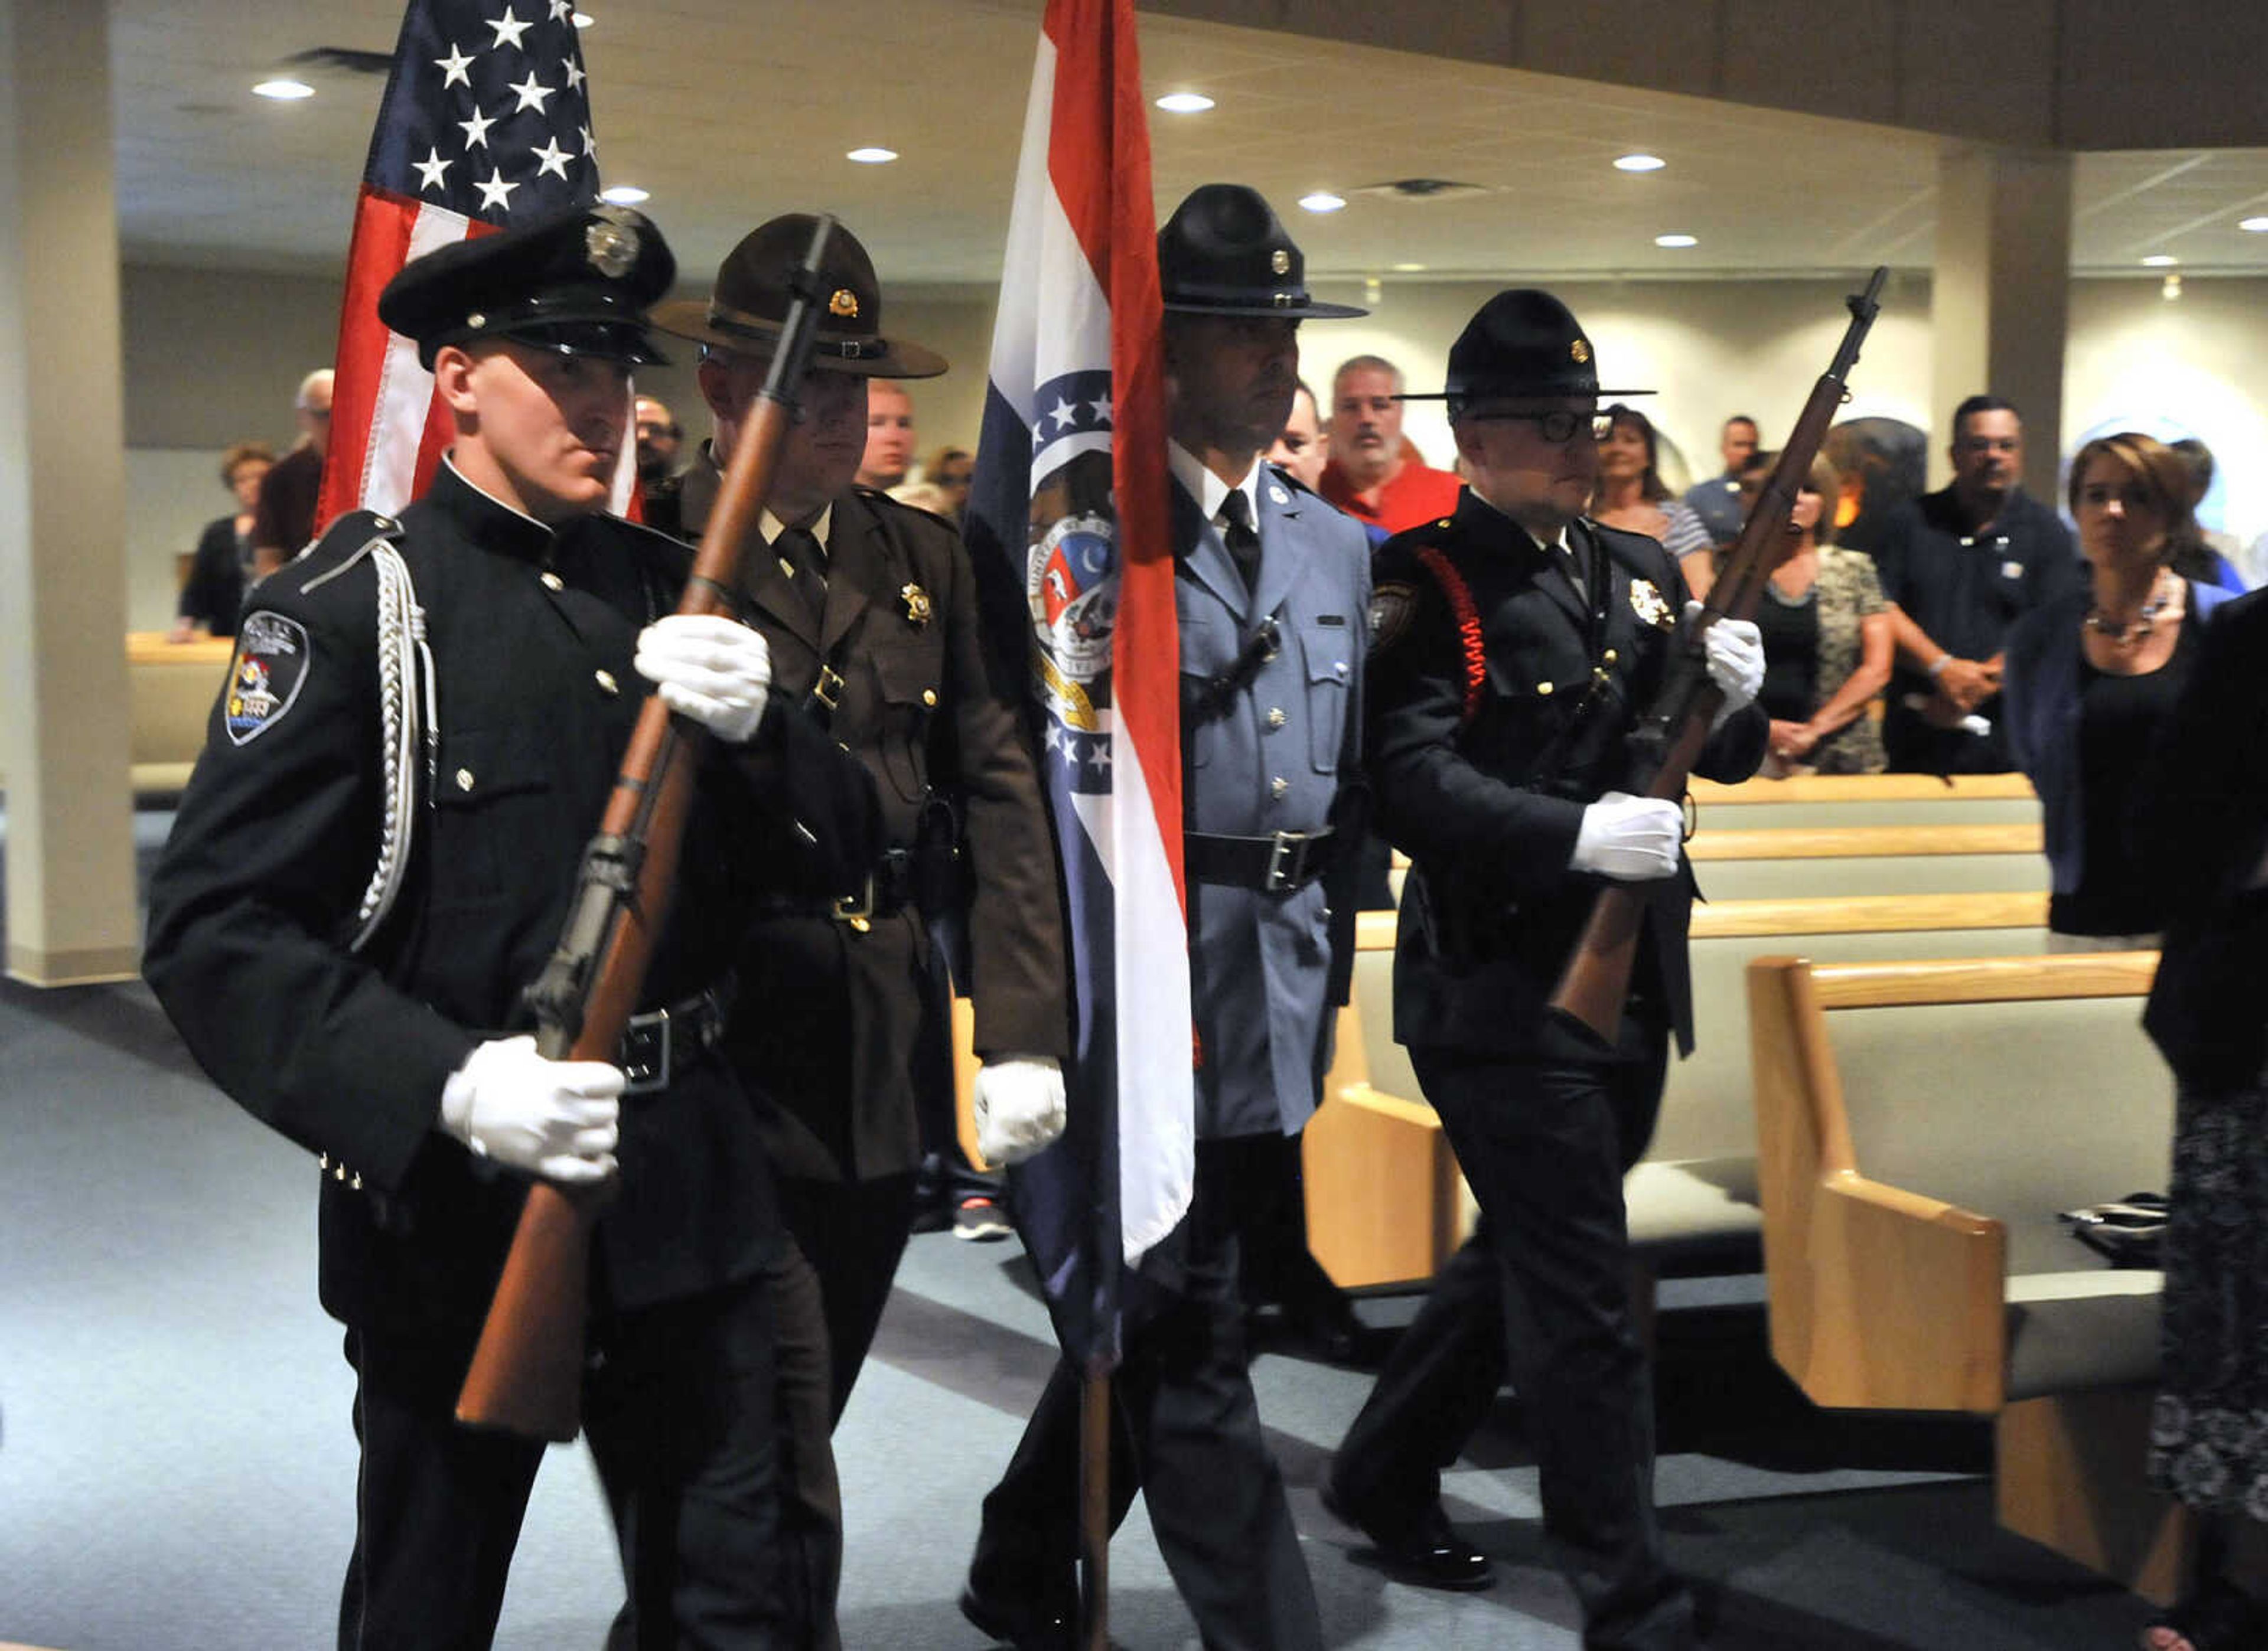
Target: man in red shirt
<point>1368,477</point>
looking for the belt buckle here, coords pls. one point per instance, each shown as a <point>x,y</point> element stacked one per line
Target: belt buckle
<point>1291,847</point>
<point>857,909</point>
<point>829,689</point>
<point>644,1076</point>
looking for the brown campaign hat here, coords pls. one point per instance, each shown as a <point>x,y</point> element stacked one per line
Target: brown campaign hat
<point>749,304</point>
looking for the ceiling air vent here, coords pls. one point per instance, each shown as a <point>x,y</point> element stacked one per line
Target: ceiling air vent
<point>344,58</point>
<point>1420,189</point>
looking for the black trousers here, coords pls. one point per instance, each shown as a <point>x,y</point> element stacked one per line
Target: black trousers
<point>679,1409</point>
<point>1186,1431</point>
<point>1543,1292</point>
<point>853,1233</point>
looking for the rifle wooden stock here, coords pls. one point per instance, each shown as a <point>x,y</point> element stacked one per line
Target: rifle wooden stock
<point>1596,981</point>
<point>527,1373</point>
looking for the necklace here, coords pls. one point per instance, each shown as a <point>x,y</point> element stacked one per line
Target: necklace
<point>2129,634</point>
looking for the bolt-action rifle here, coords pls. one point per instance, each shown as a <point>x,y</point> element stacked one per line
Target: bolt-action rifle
<point>526,1374</point>
<point>1668,740</point>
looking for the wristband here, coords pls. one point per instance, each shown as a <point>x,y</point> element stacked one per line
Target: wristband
<point>1939,663</point>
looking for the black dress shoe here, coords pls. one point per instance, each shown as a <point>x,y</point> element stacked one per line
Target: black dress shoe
<point>1026,1625</point>
<point>1429,1552</point>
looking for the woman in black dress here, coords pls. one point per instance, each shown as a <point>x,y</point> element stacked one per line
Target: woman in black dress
<point>2201,826</point>
<point>222,566</point>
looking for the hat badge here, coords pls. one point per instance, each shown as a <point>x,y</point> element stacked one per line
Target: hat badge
<point>844,302</point>
<point>1280,261</point>
<point>611,247</point>
<point>1579,352</point>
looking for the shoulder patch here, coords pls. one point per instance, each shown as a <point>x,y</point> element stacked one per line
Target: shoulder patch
<point>265,677</point>
<point>1390,608</point>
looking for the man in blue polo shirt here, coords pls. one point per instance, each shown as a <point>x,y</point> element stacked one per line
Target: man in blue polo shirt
<point>1962,565</point>
<point>1716,501</point>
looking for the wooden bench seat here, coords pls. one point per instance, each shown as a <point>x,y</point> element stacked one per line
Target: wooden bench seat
<point>1866,799</point>
<point>1919,1125</point>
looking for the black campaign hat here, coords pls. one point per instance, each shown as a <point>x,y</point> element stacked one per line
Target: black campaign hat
<point>1522,343</point>
<point>1224,251</point>
<point>579,282</point>
<point>749,305</point>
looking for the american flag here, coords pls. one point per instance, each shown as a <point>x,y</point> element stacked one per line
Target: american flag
<point>486,123</point>
<point>1069,500</point>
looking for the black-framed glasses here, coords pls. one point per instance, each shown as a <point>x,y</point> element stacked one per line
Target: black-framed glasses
<point>1559,425</point>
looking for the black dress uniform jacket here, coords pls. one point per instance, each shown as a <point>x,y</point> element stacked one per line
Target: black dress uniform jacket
<point>918,704</point>
<point>1488,800</point>
<point>532,635</point>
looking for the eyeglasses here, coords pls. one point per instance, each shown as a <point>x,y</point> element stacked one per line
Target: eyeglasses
<point>1557,426</point>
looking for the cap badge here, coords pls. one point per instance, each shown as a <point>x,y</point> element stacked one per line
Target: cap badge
<point>477,319</point>
<point>1648,602</point>
<point>844,302</point>
<point>1579,352</point>
<point>916,601</point>
<point>611,247</point>
<point>1280,261</point>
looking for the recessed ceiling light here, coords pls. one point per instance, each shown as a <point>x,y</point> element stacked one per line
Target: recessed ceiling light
<point>1185,103</point>
<point>1322,201</point>
<point>1640,162</point>
<point>871,157</point>
<point>625,195</point>
<point>583,19</point>
<point>2160,261</point>
<point>2257,226</point>
<point>283,90</point>
<point>1676,240</point>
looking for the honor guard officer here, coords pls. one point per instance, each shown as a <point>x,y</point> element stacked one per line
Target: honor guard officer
<point>1515,644</point>
<point>376,855</point>
<point>1271,595</point>
<point>870,608</point>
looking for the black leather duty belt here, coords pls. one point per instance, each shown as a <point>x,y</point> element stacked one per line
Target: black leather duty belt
<point>1281,862</point>
<point>888,888</point>
<point>662,1042</point>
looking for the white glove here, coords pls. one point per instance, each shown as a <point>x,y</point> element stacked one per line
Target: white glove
<point>1635,838</point>
<point>1733,651</point>
<point>1018,1107</point>
<point>556,1118</point>
<point>712,668</point>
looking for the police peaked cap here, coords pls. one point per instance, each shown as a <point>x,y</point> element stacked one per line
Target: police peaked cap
<point>579,282</point>
<point>749,305</point>
<point>1522,343</point>
<point>1225,251</point>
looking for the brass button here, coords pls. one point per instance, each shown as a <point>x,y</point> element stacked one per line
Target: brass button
<point>1611,656</point>
<point>1280,788</point>
<point>552,580</point>
<point>1543,688</point>
<point>929,697</point>
<point>464,779</point>
<point>1277,717</point>
<point>608,686</point>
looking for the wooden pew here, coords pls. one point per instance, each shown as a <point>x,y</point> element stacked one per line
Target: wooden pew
<point>1866,799</point>
<point>1919,1124</point>
<point>1844,861</point>
<point>170,691</point>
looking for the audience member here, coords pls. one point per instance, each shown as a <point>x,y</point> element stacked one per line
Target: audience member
<point>1631,495</point>
<point>2092,676</point>
<point>1961,566</point>
<point>1826,637</point>
<point>660,436</point>
<point>1717,501</point>
<point>2211,558</point>
<point>889,436</point>
<point>947,472</point>
<point>284,520</point>
<point>2201,821</point>
<point>1369,475</point>
<point>222,567</point>
<point>1303,450</point>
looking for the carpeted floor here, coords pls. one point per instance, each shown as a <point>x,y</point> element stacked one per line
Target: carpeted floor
<point>177,1469</point>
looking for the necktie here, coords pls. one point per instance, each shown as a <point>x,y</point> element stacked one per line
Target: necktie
<point>1242,539</point>
<point>807,563</point>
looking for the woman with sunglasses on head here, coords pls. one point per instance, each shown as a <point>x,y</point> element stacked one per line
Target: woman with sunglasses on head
<point>1827,636</point>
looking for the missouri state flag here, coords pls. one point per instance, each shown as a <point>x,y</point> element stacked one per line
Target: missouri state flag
<point>485,124</point>
<point>1069,502</point>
